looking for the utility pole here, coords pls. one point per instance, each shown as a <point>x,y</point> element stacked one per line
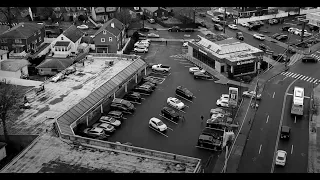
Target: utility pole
<point>194,15</point>
<point>225,20</point>
<point>256,94</point>
<point>304,22</point>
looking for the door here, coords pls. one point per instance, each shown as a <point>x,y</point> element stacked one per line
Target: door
<point>222,69</point>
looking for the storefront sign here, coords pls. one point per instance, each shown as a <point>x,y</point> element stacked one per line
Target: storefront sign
<point>202,52</point>
<point>244,62</point>
<point>233,96</point>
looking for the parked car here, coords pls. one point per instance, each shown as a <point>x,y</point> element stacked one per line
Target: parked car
<point>309,58</point>
<point>196,69</point>
<point>175,102</point>
<point>251,94</point>
<point>110,120</point>
<point>140,50</point>
<point>151,21</point>
<point>263,47</point>
<point>281,158</point>
<point>282,37</point>
<point>122,105</point>
<point>153,35</point>
<point>157,124</point>
<point>142,44</point>
<point>170,113</point>
<point>275,35</point>
<point>163,18</point>
<point>233,26</point>
<point>222,102</point>
<point>185,44</point>
<point>218,27</point>
<point>108,129</point>
<point>116,114</point>
<point>150,84</point>
<point>285,28</point>
<point>220,111</point>
<point>144,29</point>
<point>201,75</point>
<point>174,29</point>
<point>244,24</point>
<point>143,89</point>
<point>149,79</point>
<point>260,22</point>
<point>133,97</point>
<point>160,67</point>
<point>271,21</point>
<point>145,41</point>
<point>187,30</point>
<point>83,26</point>
<point>239,36</point>
<point>285,132</point>
<point>224,96</point>
<point>97,133</point>
<point>260,37</point>
<point>292,30</point>
<point>184,92</point>
<point>299,32</point>
<point>253,27</point>
<point>215,20</point>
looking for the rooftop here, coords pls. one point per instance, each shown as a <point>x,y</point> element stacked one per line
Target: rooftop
<point>3,52</point>
<point>73,33</point>
<point>13,64</point>
<point>118,27</point>
<point>22,30</point>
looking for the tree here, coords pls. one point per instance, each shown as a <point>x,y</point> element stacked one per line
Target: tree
<point>82,18</point>
<point>45,12</point>
<point>9,95</point>
<point>124,16</point>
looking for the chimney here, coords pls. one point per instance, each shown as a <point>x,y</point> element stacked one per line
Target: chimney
<point>112,25</point>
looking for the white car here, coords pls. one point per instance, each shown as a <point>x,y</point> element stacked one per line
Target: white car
<point>224,96</point>
<point>110,120</point>
<point>83,26</point>
<point>141,44</point>
<point>185,44</point>
<point>244,24</point>
<point>176,103</point>
<point>261,37</point>
<point>157,124</point>
<point>106,127</point>
<point>233,26</point>
<point>192,70</point>
<point>140,49</point>
<point>223,102</point>
<point>250,94</point>
<point>153,35</point>
<point>217,115</point>
<point>145,41</point>
<point>281,158</point>
<point>292,29</point>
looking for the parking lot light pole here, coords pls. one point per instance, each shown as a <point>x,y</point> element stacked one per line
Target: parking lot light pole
<point>225,20</point>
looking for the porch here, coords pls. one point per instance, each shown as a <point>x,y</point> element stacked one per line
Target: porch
<point>62,49</point>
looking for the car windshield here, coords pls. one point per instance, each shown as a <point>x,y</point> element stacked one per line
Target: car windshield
<point>112,120</point>
<point>160,123</point>
<point>280,158</point>
<point>177,101</point>
<point>109,126</point>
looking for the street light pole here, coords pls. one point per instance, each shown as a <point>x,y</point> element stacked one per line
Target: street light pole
<point>225,20</point>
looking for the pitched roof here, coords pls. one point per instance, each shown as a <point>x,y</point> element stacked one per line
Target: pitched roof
<point>3,52</point>
<point>22,30</point>
<point>151,9</point>
<point>73,33</point>
<point>56,63</point>
<point>13,64</point>
<point>2,144</point>
<point>3,28</point>
<point>118,27</point>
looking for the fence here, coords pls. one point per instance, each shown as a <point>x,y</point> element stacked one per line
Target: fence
<point>114,55</point>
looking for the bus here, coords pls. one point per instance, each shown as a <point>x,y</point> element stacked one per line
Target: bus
<point>297,104</point>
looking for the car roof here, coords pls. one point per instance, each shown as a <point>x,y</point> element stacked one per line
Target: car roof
<point>205,137</point>
<point>285,128</point>
<point>115,112</point>
<point>155,119</point>
<point>281,153</point>
<point>97,129</point>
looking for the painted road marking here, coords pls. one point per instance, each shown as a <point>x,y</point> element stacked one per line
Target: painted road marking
<point>295,119</point>
<point>169,128</point>
<point>124,118</point>
<point>167,119</point>
<point>184,98</point>
<point>307,97</point>
<point>260,148</point>
<point>294,76</point>
<point>143,98</point>
<point>291,148</point>
<point>185,63</point>
<point>284,78</point>
<point>157,131</point>
<point>289,94</point>
<point>273,94</point>
<point>309,79</point>
<point>180,59</point>
<point>267,119</point>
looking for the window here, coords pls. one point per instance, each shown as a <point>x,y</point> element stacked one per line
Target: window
<point>104,32</point>
<point>17,41</point>
<point>103,40</point>
<point>54,70</point>
<point>204,58</point>
<point>110,39</point>
<point>61,38</point>
<point>244,68</point>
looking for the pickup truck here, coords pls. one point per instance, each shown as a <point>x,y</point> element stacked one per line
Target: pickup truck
<point>160,67</point>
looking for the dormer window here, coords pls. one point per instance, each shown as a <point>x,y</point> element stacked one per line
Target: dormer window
<point>104,32</point>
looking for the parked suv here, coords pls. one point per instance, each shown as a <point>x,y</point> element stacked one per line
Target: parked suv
<point>169,113</point>
<point>218,27</point>
<point>133,97</point>
<point>184,92</point>
<point>122,105</point>
<point>309,59</point>
<point>116,114</point>
<point>239,36</point>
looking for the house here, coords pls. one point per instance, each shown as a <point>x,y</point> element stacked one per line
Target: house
<point>103,14</point>
<point>110,37</point>
<point>67,43</point>
<point>3,54</point>
<point>134,11</point>
<point>16,68</point>
<point>155,12</point>
<point>70,13</point>
<point>24,37</point>
<point>53,66</point>
<point>251,11</point>
<point>3,152</point>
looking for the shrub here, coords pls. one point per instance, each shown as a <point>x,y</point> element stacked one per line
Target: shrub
<point>247,78</point>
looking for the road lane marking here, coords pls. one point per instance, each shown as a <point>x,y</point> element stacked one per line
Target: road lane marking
<point>294,76</point>
<point>309,79</point>
<point>185,63</point>
<point>295,119</point>
<point>267,119</point>
<point>143,98</point>
<point>289,94</point>
<point>307,97</point>
<point>291,148</point>
<point>280,125</point>
<point>260,148</point>
<point>273,94</point>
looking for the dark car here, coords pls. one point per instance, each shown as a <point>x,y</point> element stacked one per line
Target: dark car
<point>257,23</point>
<point>263,47</point>
<point>133,97</point>
<point>275,35</point>
<point>187,30</point>
<point>174,29</point>
<point>254,27</point>
<point>169,113</point>
<point>260,22</point>
<point>239,36</point>
<point>218,27</point>
<point>202,15</point>
<point>209,141</point>
<point>309,59</point>
<point>150,84</point>
<point>282,37</point>
<point>116,114</point>
<point>215,20</point>
<point>184,92</point>
<point>303,45</point>
<point>144,29</point>
<point>122,105</point>
<point>285,132</point>
<point>149,79</point>
<point>201,75</point>
<point>96,133</point>
<point>285,28</point>
<point>143,89</point>
<point>280,57</point>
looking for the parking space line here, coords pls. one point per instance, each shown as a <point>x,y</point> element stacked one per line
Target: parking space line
<point>169,128</point>
<point>143,98</point>
<point>158,131</point>
<point>168,119</point>
<point>186,106</point>
<point>145,94</point>
<point>124,118</point>
<point>184,98</point>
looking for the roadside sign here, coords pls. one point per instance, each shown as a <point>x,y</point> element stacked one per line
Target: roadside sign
<point>233,96</point>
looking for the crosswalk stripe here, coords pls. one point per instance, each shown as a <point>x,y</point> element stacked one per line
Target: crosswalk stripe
<point>309,79</point>
<point>305,77</point>
<point>284,73</point>
<point>295,75</point>
<point>291,74</point>
<point>316,81</point>
<point>299,76</point>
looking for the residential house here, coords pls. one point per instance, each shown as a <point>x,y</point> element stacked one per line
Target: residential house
<point>16,68</point>
<point>251,11</point>
<point>134,11</point>
<point>67,43</point>
<point>110,37</point>
<point>103,14</point>
<point>70,13</point>
<point>155,12</point>
<point>24,37</point>
<point>3,152</point>
<point>53,66</point>
<point>3,54</point>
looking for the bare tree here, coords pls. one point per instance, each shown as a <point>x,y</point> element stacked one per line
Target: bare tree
<point>9,95</point>
<point>10,14</point>
<point>124,16</point>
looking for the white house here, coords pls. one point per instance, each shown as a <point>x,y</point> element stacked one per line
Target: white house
<point>15,68</point>
<point>67,43</point>
<point>3,54</point>
<point>3,152</point>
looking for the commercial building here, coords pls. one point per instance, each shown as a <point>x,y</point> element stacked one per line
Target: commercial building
<point>227,56</point>
<point>250,11</point>
<point>314,18</point>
